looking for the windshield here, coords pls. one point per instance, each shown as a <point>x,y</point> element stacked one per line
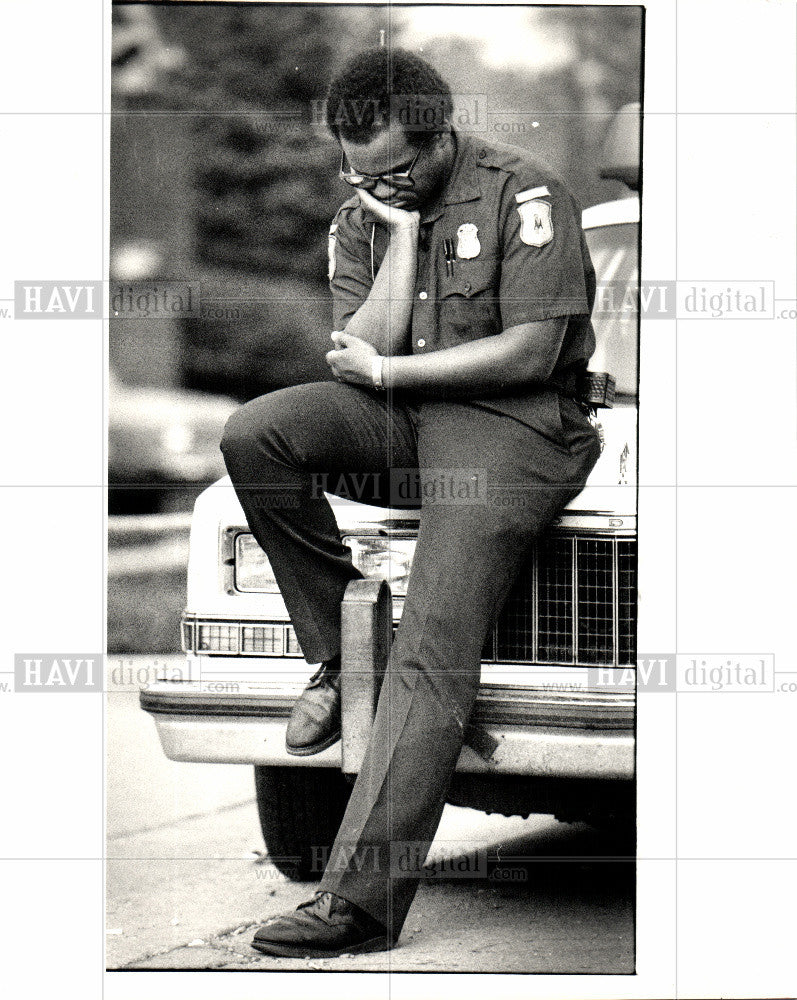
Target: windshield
<point>615,316</point>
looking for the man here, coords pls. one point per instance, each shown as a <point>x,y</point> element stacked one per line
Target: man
<point>462,290</point>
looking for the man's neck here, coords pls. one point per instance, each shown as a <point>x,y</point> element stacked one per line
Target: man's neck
<point>452,157</point>
<point>451,160</point>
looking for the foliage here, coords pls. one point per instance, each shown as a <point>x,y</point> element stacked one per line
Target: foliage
<point>265,184</point>
<point>266,175</point>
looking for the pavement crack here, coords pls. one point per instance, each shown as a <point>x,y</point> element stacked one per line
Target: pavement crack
<point>168,824</point>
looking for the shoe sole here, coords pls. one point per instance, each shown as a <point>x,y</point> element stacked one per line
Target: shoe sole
<point>315,748</point>
<point>297,951</point>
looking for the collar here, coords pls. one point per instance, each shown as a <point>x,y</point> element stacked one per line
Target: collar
<point>463,182</point>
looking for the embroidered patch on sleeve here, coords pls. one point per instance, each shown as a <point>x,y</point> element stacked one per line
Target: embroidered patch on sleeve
<point>536,225</point>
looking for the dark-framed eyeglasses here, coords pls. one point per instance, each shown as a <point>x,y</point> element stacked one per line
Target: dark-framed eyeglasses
<point>399,180</point>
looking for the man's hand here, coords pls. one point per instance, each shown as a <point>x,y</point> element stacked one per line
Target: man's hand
<point>351,359</point>
<point>396,219</point>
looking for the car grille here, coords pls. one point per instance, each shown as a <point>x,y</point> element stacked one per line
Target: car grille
<point>573,604</point>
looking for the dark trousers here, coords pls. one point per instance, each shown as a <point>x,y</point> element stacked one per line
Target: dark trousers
<point>491,484</point>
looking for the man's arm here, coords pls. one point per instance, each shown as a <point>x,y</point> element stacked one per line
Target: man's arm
<point>519,356</point>
<point>545,278</point>
<point>383,320</point>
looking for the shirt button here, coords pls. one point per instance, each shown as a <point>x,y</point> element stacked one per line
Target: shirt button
<point>482,154</point>
<point>423,295</point>
<point>467,288</point>
<point>421,342</point>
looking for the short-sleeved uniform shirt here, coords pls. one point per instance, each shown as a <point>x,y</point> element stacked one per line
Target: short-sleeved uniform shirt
<point>519,256</point>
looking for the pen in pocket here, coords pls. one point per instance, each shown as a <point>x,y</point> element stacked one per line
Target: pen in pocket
<point>448,249</point>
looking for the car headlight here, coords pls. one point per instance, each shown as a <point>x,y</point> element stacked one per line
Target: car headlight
<point>382,558</point>
<point>253,572</point>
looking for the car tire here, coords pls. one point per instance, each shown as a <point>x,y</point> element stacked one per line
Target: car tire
<point>300,810</point>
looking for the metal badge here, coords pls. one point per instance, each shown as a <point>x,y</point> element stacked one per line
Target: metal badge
<point>468,245</point>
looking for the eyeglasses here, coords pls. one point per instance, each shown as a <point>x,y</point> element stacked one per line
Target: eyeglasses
<point>400,181</point>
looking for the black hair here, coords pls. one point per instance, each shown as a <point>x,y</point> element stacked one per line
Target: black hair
<point>380,86</point>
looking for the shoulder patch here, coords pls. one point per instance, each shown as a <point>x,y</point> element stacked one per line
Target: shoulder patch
<point>537,192</point>
<point>536,224</point>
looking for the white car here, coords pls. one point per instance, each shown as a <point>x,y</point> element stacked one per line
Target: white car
<point>549,733</point>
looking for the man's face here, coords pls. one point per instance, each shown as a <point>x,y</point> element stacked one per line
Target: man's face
<point>390,152</point>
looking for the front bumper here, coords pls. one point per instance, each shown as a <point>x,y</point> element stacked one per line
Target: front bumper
<point>537,721</point>
<point>513,730</point>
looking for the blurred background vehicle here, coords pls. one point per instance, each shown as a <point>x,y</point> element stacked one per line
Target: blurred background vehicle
<point>163,446</point>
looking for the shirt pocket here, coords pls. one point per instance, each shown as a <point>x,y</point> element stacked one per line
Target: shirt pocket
<point>468,306</point>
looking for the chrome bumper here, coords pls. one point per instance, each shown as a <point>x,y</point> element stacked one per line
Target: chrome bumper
<point>513,730</point>
<point>228,714</point>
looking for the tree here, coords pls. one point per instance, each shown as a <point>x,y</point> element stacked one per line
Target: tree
<point>265,183</point>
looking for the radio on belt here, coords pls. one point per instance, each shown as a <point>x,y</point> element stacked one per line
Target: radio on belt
<point>596,389</point>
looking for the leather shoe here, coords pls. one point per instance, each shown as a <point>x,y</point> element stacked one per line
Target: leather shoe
<point>324,927</point>
<point>314,724</point>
